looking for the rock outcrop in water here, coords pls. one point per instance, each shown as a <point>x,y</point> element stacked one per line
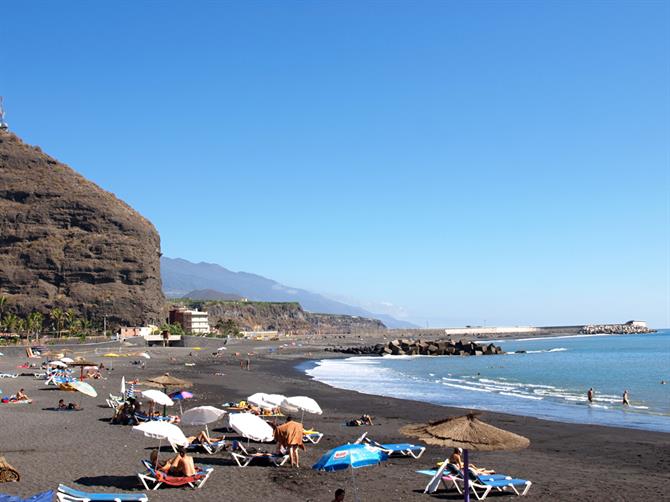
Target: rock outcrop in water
<point>65,242</point>
<point>424,348</point>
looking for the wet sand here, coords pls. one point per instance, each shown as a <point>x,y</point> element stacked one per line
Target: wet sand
<point>82,449</point>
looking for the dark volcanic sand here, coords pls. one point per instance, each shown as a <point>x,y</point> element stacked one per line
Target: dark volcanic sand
<point>81,449</point>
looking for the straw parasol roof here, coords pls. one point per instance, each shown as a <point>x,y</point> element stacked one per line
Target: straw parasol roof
<point>466,432</point>
<point>82,363</point>
<point>169,381</point>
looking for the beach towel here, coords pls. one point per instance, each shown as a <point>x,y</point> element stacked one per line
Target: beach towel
<point>7,472</point>
<point>46,496</point>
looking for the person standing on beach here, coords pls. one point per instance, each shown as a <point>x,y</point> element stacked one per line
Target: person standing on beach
<point>589,395</point>
<point>626,402</point>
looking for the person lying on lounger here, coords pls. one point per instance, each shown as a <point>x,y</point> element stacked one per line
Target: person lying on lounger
<point>180,465</point>
<point>456,459</point>
<point>204,438</point>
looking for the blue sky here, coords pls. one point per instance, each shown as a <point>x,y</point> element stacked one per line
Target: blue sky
<point>466,163</point>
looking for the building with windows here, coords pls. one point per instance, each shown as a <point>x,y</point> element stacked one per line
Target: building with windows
<point>192,321</point>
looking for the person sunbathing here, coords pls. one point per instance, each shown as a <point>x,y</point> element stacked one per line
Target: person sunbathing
<point>180,465</point>
<point>456,458</point>
<point>21,396</point>
<point>203,438</point>
<point>67,407</point>
<point>357,422</point>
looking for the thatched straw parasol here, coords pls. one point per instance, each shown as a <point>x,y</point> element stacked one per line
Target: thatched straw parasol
<point>469,433</point>
<point>169,381</point>
<point>82,363</point>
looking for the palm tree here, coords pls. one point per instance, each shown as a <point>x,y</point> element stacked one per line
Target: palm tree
<point>9,322</point>
<point>71,320</point>
<point>20,326</point>
<point>3,304</point>
<point>35,321</point>
<point>56,315</point>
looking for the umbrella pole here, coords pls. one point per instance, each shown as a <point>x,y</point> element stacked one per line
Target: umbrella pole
<point>466,476</point>
<point>353,483</point>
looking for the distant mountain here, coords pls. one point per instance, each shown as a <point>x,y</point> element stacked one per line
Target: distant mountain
<point>212,294</point>
<point>182,276</point>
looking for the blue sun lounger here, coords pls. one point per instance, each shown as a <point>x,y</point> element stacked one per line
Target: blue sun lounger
<point>448,473</point>
<point>404,449</point>
<point>67,494</point>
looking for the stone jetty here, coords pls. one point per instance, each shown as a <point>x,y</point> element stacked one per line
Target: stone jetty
<point>615,329</point>
<point>404,347</point>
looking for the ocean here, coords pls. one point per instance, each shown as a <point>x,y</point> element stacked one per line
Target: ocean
<point>549,381</point>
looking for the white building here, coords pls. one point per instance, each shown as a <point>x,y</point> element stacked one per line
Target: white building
<point>192,321</point>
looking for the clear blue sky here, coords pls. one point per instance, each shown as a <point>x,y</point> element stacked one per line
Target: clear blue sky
<point>498,162</point>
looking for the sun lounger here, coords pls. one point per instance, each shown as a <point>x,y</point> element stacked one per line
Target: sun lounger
<point>402,449</point>
<point>143,417</point>
<point>67,494</point>
<point>211,448</point>
<point>311,436</point>
<point>449,475</point>
<point>243,457</point>
<point>9,375</point>
<point>152,479</point>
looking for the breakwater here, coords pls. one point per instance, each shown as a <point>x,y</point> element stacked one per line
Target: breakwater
<point>404,347</point>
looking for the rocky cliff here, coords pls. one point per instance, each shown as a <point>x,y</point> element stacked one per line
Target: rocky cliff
<point>65,242</point>
<point>283,317</point>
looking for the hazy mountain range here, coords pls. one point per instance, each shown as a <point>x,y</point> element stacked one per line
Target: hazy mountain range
<point>181,277</point>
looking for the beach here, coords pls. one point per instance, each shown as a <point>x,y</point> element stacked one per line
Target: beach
<point>82,449</point>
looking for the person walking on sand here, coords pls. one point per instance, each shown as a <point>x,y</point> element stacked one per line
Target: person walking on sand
<point>589,395</point>
<point>626,402</point>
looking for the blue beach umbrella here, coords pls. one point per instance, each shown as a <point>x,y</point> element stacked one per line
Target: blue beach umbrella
<point>350,455</point>
<point>40,497</point>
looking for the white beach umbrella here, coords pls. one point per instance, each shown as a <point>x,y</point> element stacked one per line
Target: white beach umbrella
<point>67,360</point>
<point>251,426</point>
<point>274,399</point>
<point>145,355</point>
<point>158,397</point>
<point>162,431</point>
<point>259,399</point>
<point>123,387</point>
<point>84,388</point>
<point>57,364</point>
<point>202,415</point>
<point>301,403</point>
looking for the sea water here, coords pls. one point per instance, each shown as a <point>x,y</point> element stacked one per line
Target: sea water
<point>550,380</point>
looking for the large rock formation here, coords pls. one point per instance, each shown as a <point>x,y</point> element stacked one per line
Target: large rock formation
<point>65,242</point>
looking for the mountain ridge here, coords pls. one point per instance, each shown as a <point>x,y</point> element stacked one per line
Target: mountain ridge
<point>181,276</point>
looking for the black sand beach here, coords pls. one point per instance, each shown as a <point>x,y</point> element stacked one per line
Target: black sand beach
<point>82,449</point>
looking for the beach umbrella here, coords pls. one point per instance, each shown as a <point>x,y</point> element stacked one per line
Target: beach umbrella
<point>467,432</point>
<point>165,381</point>
<point>180,395</point>
<point>302,404</point>
<point>274,399</point>
<point>350,455</point>
<point>202,415</point>
<point>123,386</point>
<point>169,381</point>
<point>144,355</point>
<point>161,430</point>
<point>251,426</point>
<point>84,388</point>
<point>82,363</point>
<point>259,399</point>
<point>57,364</point>
<point>158,397</point>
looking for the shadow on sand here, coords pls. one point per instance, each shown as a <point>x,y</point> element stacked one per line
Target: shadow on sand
<point>118,482</point>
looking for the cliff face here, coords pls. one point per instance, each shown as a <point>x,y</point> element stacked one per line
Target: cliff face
<point>283,317</point>
<point>65,242</point>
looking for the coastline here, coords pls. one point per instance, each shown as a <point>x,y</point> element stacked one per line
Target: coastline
<point>92,455</point>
